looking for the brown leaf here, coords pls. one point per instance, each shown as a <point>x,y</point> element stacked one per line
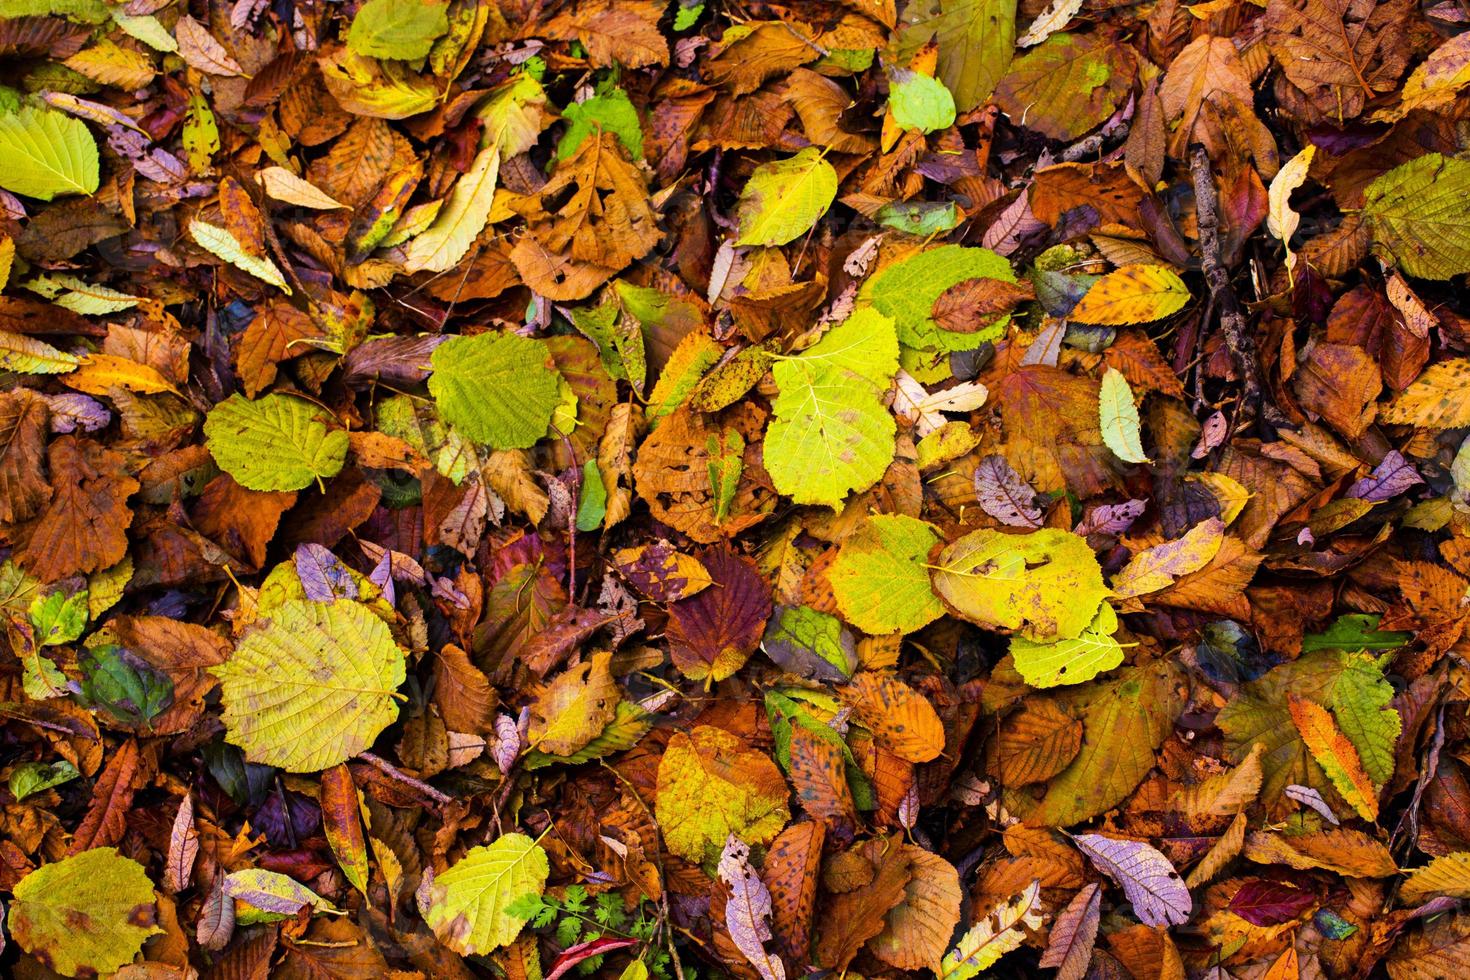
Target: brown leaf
<point>112,796</point>
<point>23,487</point>
<point>975,304</point>
<point>83,529</point>
<point>853,918</point>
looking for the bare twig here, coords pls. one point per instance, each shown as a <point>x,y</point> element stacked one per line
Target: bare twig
<point>393,772</point>
<point>1241,344</point>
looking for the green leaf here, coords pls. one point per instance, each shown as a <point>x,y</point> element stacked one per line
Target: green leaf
<point>726,462</point>
<point>610,112</point>
<point>1356,631</point>
<point>124,685</point>
<point>784,198</point>
<point>906,291</point>
<point>402,30</point>
<point>1416,215</point>
<point>440,246</point>
<point>312,686</point>
<point>919,218</point>
<point>831,433</point>
<point>1073,661</point>
<point>919,102</point>
<point>1001,930</point>
<point>273,443</point>
<point>879,578</point>
<point>1061,88</point>
<point>33,777</point>
<point>1351,684</point>
<point>220,243</point>
<point>468,905</point>
<point>498,389</point>
<point>1047,585</point>
<point>46,153</point>
<point>976,42</point>
<point>88,913</point>
<point>59,617</point>
<point>1118,418</point>
<point>592,505</point>
<point>806,641</point>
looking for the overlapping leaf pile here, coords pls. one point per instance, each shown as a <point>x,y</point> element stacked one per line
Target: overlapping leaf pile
<point>656,488</point>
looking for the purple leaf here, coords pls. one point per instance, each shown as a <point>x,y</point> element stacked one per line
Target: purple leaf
<point>748,909</point>
<point>1389,478</point>
<point>323,575</point>
<point>1069,947</point>
<point>1150,882</point>
<point>1111,518</point>
<point>1004,495</point>
<point>1265,902</point>
<point>71,411</point>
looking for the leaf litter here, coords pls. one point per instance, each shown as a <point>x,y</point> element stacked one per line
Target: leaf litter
<point>638,489</point>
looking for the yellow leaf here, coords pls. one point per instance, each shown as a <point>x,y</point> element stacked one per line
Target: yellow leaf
<point>283,185</point>
<point>100,372</point>
<point>1448,875</point>
<point>709,787</point>
<point>462,218</point>
<point>1156,568</point>
<point>1281,220</point>
<point>1438,399</point>
<point>219,242</point>
<point>574,708</point>
<point>1132,294</point>
<point>1335,754</point>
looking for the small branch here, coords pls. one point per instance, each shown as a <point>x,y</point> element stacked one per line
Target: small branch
<point>393,772</point>
<point>1241,344</point>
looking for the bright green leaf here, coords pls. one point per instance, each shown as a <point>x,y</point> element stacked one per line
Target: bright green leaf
<point>907,289</point>
<point>879,578</point>
<point>832,434</point>
<point>273,443</point>
<point>468,905</point>
<point>500,390</point>
<point>47,153</point>
<point>1071,661</point>
<point>403,30</point>
<point>610,112</point>
<point>33,777</point>
<point>1416,215</point>
<point>219,242</point>
<point>1046,585</point>
<point>919,102</point>
<point>1118,417</point>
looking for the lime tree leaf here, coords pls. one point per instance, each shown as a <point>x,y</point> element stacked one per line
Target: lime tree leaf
<point>1133,294</point>
<point>403,30</point>
<point>498,389</point>
<point>784,198</point>
<point>468,905</point>
<point>441,245</point>
<point>1118,418</point>
<point>1071,661</point>
<point>919,102</point>
<point>27,355</point>
<point>311,687</point>
<point>1416,215</point>
<point>273,443</point>
<point>47,153</point>
<point>711,786</point>
<point>220,243</point>
<point>879,578</point>
<point>85,914</point>
<point>907,289</point>
<point>832,434</point>
<point>1046,585</point>
<point>976,41</point>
